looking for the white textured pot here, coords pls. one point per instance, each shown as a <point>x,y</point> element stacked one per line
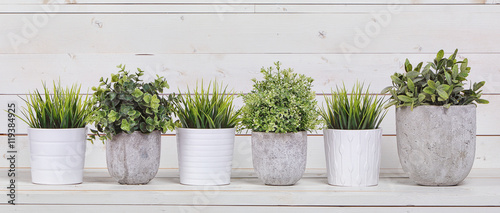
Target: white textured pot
<point>57,155</point>
<point>352,156</point>
<point>134,159</point>
<point>436,146</point>
<point>279,158</point>
<point>205,155</point>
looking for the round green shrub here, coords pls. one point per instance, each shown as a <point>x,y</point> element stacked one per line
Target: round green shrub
<point>282,102</point>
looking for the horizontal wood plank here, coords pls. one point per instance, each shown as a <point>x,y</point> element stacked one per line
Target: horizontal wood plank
<point>322,33</point>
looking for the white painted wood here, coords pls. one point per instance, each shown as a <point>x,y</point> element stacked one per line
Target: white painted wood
<point>308,193</point>
<point>241,209</point>
<point>22,73</point>
<point>255,33</point>
<point>231,2</point>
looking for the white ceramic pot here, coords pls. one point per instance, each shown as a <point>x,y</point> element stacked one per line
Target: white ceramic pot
<point>352,156</point>
<point>205,155</point>
<point>57,155</point>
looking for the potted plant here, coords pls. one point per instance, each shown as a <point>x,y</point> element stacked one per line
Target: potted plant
<point>352,137</point>
<point>57,133</point>
<point>279,110</point>
<point>132,114</point>
<point>205,141</point>
<point>436,120</point>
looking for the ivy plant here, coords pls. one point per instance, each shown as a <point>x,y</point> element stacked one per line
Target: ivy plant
<point>127,104</point>
<point>439,83</point>
<point>282,102</point>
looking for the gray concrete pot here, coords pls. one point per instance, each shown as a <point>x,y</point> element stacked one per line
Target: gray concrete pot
<point>279,158</point>
<point>436,145</point>
<point>134,158</point>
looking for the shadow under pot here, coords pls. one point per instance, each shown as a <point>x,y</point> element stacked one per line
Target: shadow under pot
<point>279,158</point>
<point>57,155</point>
<point>436,146</point>
<point>134,159</point>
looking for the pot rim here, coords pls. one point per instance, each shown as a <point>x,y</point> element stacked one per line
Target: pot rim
<point>358,130</point>
<point>229,130</point>
<point>439,106</point>
<point>56,129</point>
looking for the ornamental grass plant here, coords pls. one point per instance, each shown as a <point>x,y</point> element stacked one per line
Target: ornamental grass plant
<point>355,111</point>
<point>210,108</point>
<point>57,109</point>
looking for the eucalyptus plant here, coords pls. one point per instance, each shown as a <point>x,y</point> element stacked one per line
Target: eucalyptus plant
<point>282,102</point>
<point>357,110</point>
<point>203,110</point>
<point>65,108</point>
<point>439,83</point>
<point>127,104</point>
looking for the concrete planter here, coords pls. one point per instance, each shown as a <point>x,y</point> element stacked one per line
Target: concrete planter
<point>436,145</point>
<point>279,158</point>
<point>57,155</point>
<point>352,156</point>
<point>134,158</point>
<point>205,155</point>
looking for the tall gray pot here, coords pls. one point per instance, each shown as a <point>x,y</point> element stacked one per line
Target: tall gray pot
<point>436,145</point>
<point>134,158</point>
<point>279,158</point>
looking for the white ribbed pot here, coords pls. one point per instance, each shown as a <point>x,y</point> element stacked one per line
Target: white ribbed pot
<point>352,156</point>
<point>279,159</point>
<point>205,155</point>
<point>57,155</point>
<point>134,159</point>
<point>436,146</point>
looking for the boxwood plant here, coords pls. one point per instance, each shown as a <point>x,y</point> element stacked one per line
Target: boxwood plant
<point>127,104</point>
<point>357,110</point>
<point>282,102</point>
<point>65,108</point>
<point>440,83</point>
<point>203,110</point>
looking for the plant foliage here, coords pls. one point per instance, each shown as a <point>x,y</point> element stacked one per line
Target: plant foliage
<point>358,110</point>
<point>283,102</point>
<point>127,104</point>
<point>439,83</point>
<point>203,110</point>
<point>66,108</point>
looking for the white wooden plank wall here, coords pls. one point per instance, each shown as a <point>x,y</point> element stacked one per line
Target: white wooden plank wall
<point>185,41</point>
<point>333,41</point>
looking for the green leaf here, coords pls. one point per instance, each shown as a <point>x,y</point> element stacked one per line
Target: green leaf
<point>431,84</point>
<point>412,74</point>
<point>396,80</point>
<point>429,90</point>
<point>411,86</point>
<point>478,86</point>
<point>405,98</point>
<point>137,93</point>
<point>408,66</point>
<point>125,126</point>
<point>441,92</point>
<point>440,55</point>
<point>482,101</point>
